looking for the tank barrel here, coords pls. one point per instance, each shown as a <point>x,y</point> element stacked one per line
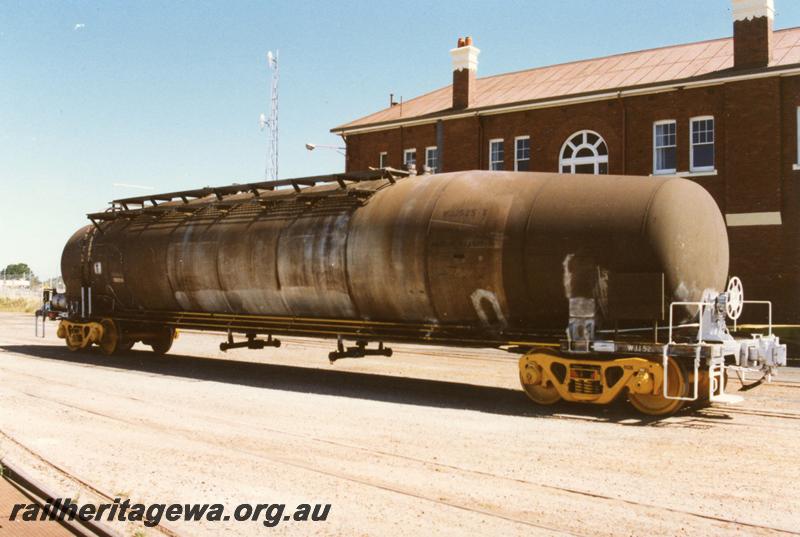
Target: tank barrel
<point>482,249</point>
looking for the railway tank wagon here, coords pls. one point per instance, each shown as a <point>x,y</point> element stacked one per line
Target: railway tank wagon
<point>494,259</point>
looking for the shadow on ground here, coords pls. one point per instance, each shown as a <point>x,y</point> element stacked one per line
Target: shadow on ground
<point>384,388</point>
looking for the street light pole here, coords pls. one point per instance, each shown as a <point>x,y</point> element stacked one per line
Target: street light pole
<point>339,149</point>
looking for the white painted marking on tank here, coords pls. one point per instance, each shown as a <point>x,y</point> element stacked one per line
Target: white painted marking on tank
<point>183,300</point>
<point>681,293</point>
<point>567,275</point>
<point>477,302</point>
<point>601,290</point>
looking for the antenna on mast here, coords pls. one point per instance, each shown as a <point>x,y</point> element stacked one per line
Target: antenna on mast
<point>271,122</point>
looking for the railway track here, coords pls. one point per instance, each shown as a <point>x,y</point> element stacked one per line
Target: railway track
<point>380,466</point>
<point>296,463</point>
<point>287,462</point>
<point>82,483</point>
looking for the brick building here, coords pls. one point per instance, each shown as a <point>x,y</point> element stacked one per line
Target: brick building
<point>724,113</point>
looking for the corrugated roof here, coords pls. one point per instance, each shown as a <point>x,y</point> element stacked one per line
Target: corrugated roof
<point>627,70</point>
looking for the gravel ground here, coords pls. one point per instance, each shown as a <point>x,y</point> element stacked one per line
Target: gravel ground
<point>430,441</point>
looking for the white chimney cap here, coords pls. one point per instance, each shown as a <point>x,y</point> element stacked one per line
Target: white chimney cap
<point>751,9</point>
<point>465,57</point>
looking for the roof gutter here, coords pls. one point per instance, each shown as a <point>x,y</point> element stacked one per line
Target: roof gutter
<point>550,103</point>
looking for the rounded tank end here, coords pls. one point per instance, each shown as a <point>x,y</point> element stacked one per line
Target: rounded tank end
<point>71,261</point>
<point>689,235</point>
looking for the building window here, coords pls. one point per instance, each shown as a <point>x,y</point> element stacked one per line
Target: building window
<point>522,153</point>
<point>496,154</point>
<point>584,152</point>
<point>432,158</point>
<point>664,147</point>
<point>383,159</point>
<point>797,163</point>
<point>410,157</point>
<point>701,155</point>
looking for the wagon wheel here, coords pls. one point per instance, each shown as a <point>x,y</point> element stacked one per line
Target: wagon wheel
<point>542,395</point>
<point>109,343</point>
<point>703,386</point>
<point>161,341</point>
<point>125,344</point>
<point>529,375</point>
<point>658,405</point>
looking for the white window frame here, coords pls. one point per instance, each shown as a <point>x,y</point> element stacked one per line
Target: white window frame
<point>407,152</point>
<point>435,150</point>
<point>516,154</point>
<point>664,171</point>
<point>797,135</point>
<point>692,167</point>
<point>492,162</point>
<point>574,161</point>
<point>383,156</point>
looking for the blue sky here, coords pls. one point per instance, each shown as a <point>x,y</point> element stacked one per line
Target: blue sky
<point>167,94</point>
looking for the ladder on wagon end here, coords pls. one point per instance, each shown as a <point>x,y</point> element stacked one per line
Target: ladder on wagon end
<point>761,354</point>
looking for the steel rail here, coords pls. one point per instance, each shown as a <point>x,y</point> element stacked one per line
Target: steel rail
<point>41,494</point>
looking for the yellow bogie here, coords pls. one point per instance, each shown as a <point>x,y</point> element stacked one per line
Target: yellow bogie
<point>546,377</point>
<point>79,336</point>
<point>111,339</point>
<point>75,346</point>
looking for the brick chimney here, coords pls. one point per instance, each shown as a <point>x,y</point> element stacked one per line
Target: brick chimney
<point>752,33</point>
<point>465,67</point>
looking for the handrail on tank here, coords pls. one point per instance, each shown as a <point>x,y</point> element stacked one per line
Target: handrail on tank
<point>706,304</point>
<point>715,364</point>
<point>221,191</point>
<point>120,207</point>
<point>700,312</point>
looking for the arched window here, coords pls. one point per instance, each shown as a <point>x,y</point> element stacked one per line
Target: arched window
<point>584,152</point>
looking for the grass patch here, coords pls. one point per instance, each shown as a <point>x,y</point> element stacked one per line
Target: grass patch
<point>20,305</point>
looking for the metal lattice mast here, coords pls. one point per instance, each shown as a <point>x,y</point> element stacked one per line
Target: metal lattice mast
<point>271,172</point>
